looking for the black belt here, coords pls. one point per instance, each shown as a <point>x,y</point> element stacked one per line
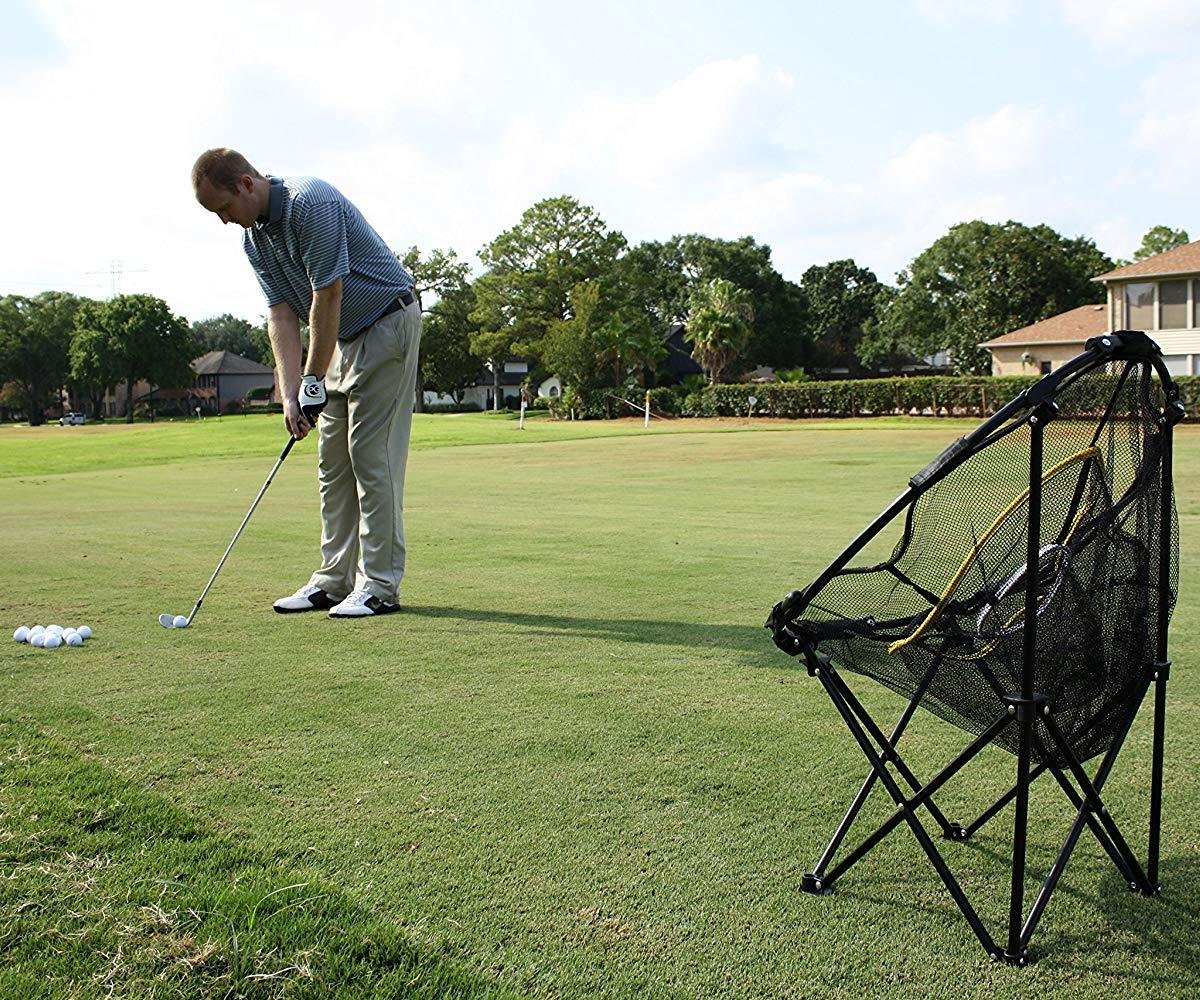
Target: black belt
<point>401,301</point>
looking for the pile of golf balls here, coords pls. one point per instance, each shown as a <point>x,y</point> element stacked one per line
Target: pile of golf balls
<point>52,636</point>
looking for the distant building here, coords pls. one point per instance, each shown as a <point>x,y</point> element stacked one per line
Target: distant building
<point>1160,295</point>
<point>231,376</point>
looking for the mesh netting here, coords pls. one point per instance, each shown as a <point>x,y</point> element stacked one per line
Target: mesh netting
<point>951,599</point>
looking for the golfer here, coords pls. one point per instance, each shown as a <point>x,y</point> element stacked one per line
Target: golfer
<point>316,257</point>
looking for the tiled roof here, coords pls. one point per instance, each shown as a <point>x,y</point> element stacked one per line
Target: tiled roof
<point>1071,327</point>
<point>227,363</point>
<point>1181,260</point>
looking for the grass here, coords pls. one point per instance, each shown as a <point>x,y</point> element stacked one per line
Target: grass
<point>575,766</point>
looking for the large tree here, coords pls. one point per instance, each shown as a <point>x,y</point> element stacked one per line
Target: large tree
<point>843,299</point>
<point>531,271</point>
<point>979,281</point>
<point>232,333</point>
<point>662,276</point>
<point>447,364</point>
<point>131,337</point>
<point>718,325</point>
<point>35,342</point>
<point>435,275</point>
<point>1160,239</point>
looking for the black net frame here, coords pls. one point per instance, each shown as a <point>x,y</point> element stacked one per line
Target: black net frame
<point>1032,576</point>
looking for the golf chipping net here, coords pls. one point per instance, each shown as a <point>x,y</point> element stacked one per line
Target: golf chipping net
<point>1020,589</point>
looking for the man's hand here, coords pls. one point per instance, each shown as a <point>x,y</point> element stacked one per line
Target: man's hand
<point>293,418</point>
<point>312,398</point>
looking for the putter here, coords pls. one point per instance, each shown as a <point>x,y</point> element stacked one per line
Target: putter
<point>173,621</point>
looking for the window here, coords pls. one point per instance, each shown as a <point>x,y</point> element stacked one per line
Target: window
<point>1172,305</point>
<point>1177,364</point>
<point>1139,305</point>
<point>1045,367</point>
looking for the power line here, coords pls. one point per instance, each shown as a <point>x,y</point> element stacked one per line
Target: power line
<point>116,270</point>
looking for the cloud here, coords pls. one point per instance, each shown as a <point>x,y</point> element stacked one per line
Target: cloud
<point>956,12</point>
<point>1149,26</point>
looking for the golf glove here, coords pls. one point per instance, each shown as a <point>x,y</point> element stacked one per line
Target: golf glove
<point>312,398</point>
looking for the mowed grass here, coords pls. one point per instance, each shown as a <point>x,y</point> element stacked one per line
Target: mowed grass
<point>575,766</point>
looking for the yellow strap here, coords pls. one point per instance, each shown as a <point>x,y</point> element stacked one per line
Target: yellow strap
<point>936,611</point>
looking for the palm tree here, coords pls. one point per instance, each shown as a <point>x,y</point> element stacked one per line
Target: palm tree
<point>718,325</point>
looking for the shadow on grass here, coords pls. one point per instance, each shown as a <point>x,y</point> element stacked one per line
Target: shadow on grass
<point>1125,937</point>
<point>747,639</point>
<point>111,890</point>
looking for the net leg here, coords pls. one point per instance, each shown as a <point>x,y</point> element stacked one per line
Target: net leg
<point>906,808</point>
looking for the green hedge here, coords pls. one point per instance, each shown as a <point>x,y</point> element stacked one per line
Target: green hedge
<point>927,395</point>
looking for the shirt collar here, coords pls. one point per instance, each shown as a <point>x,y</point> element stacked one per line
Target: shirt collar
<point>274,203</point>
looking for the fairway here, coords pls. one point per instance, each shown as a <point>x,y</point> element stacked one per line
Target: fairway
<point>574,766</point>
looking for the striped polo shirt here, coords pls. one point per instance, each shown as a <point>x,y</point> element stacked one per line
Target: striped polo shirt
<point>311,237</point>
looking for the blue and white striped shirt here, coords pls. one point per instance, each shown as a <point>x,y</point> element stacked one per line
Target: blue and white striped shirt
<point>311,237</point>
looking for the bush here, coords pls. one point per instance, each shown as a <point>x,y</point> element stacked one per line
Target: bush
<point>453,408</point>
<point>259,392</point>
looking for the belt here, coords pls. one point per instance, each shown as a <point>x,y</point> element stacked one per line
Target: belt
<point>401,301</point>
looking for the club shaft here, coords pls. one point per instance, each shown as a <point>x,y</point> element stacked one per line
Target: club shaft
<point>237,534</point>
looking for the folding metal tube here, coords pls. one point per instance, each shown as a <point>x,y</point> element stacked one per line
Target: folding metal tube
<point>905,811</point>
<point>1025,735</point>
<point>1162,667</point>
<point>869,783</point>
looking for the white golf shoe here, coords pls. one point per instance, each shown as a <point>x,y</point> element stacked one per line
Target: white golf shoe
<point>307,598</point>
<point>361,604</point>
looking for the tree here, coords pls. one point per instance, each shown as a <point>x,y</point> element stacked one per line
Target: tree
<point>232,333</point>
<point>446,359</point>
<point>531,271</point>
<point>439,274</point>
<point>1160,239</point>
<point>663,276</point>
<point>35,340</point>
<point>131,337</point>
<point>842,299</point>
<point>981,280</point>
<point>718,325</point>
<point>572,348</point>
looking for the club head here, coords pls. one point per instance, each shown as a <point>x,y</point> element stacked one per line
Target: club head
<point>166,620</point>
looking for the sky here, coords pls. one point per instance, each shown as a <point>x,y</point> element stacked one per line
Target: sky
<point>825,130</point>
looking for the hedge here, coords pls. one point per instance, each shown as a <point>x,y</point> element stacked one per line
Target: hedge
<point>928,395</point>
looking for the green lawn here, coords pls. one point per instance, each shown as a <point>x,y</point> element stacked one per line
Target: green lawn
<point>574,767</point>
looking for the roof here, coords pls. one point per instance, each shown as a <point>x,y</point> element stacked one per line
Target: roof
<point>1072,327</point>
<point>227,363</point>
<point>1181,260</point>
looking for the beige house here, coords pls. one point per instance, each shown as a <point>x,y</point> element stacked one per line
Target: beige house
<point>1160,295</point>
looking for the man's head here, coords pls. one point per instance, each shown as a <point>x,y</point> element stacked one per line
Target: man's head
<point>229,187</point>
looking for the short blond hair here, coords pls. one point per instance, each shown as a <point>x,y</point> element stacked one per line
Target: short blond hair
<point>221,167</point>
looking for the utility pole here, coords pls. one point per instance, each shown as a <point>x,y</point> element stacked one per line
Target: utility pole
<point>116,270</point>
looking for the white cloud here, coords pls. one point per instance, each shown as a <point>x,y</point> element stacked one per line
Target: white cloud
<point>956,11</point>
<point>1148,26</point>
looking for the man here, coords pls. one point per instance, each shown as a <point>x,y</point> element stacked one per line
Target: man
<point>315,256</point>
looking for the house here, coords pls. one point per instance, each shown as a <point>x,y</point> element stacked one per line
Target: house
<point>222,378</point>
<point>1160,295</point>
<point>231,377</point>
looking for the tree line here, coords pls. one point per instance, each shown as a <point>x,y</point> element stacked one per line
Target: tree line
<point>568,294</point>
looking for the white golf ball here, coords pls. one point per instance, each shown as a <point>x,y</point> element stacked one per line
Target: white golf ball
<point>36,630</point>
<point>74,639</point>
<point>179,622</point>
<point>21,634</point>
<point>38,640</point>
<point>57,629</point>
<point>53,640</point>
<point>85,631</point>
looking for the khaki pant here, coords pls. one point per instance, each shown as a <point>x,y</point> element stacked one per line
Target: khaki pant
<point>362,452</point>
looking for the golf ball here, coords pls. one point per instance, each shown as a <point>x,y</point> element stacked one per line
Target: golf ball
<point>85,631</point>
<point>38,640</point>
<point>36,630</point>
<point>74,639</point>
<point>58,629</point>
<point>21,634</point>
<point>53,640</point>
<point>68,632</point>
<point>179,622</point>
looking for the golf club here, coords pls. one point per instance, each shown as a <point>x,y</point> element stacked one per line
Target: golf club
<point>179,621</point>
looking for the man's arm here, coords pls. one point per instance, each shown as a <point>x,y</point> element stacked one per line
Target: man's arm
<point>323,320</point>
<point>283,329</point>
